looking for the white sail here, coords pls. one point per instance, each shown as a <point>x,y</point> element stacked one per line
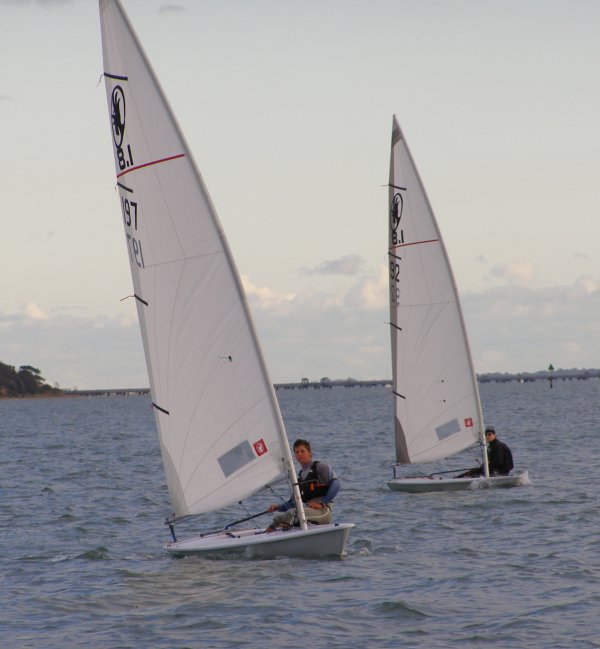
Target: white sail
<point>219,424</point>
<point>437,410</point>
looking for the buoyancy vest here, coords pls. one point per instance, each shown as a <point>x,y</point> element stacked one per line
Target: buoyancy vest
<point>310,487</point>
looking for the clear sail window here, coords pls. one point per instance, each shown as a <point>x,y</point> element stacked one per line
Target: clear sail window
<point>236,458</point>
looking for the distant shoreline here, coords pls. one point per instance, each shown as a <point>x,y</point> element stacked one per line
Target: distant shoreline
<point>32,396</point>
<point>490,377</point>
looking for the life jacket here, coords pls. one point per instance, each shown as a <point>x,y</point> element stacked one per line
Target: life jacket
<point>310,487</point>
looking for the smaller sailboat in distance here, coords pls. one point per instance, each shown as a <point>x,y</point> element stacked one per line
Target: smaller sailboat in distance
<point>221,433</point>
<point>437,409</point>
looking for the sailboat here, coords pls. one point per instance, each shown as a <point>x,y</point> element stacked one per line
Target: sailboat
<point>221,433</point>
<point>437,409</point>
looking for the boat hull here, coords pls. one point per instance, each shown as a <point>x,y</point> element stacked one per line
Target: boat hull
<point>429,485</point>
<point>315,542</point>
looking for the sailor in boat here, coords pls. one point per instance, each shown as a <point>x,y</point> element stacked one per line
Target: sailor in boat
<point>318,487</point>
<point>500,460</point>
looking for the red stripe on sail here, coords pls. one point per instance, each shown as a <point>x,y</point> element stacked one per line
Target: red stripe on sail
<point>149,164</point>
<point>413,243</point>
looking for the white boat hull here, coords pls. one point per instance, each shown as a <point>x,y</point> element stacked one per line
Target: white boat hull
<point>431,484</point>
<point>314,542</point>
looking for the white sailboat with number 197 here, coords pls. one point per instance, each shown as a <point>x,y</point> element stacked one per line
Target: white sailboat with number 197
<point>221,433</point>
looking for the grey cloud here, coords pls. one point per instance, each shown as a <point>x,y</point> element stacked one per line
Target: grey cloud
<point>526,328</point>
<point>75,351</point>
<point>511,329</point>
<point>348,265</point>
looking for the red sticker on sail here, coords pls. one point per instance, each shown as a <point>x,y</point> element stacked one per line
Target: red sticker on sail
<point>260,447</point>
<point>468,422</point>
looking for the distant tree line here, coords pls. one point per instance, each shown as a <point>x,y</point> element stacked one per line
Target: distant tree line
<point>26,381</point>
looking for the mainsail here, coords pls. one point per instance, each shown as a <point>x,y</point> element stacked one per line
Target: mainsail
<point>437,411</point>
<point>220,429</point>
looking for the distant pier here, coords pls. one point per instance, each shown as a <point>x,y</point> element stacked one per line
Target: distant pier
<point>107,392</point>
<point>304,384</point>
<point>326,383</point>
<point>528,377</point>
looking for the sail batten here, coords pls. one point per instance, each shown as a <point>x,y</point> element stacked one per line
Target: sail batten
<point>438,412</point>
<point>116,77</point>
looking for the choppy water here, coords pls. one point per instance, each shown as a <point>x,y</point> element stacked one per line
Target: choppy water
<point>83,499</point>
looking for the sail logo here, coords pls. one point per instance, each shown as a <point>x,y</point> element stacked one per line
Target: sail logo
<point>395,215</point>
<point>117,115</point>
<point>117,118</point>
<point>260,448</point>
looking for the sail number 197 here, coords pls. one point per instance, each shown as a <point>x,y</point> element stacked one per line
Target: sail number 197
<point>130,218</point>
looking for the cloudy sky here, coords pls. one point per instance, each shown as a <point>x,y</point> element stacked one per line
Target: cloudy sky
<point>288,108</point>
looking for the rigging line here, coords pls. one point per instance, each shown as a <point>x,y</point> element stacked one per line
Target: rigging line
<point>395,326</point>
<point>250,517</point>
<point>243,520</point>
<point>149,164</point>
<point>396,187</point>
<point>118,77</point>
<point>398,394</point>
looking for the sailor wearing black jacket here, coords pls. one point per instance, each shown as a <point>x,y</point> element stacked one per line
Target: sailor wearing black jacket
<point>500,461</point>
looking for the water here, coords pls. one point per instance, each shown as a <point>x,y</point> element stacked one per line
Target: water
<point>83,498</point>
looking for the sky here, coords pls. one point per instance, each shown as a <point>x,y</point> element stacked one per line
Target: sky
<point>287,108</point>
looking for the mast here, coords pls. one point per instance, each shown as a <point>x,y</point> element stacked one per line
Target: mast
<point>486,466</point>
<point>289,464</point>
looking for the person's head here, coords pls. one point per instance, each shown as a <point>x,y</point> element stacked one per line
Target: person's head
<point>490,434</point>
<point>302,451</point>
